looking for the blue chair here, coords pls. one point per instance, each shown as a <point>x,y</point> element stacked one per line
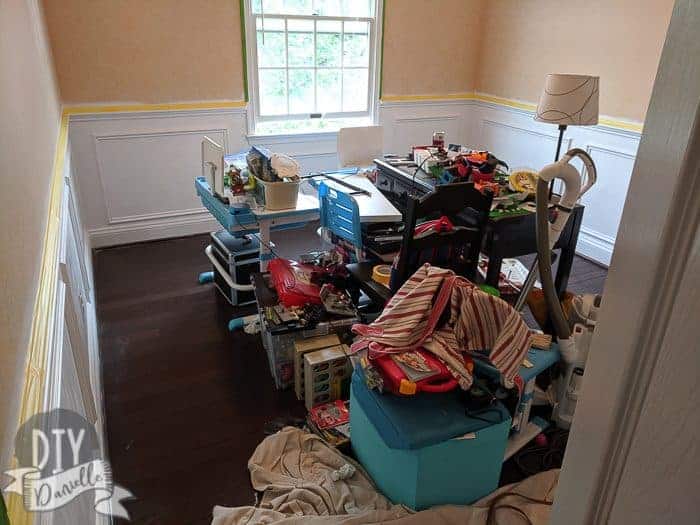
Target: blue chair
<point>341,216</point>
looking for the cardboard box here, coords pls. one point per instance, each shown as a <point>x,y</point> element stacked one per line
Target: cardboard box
<point>303,346</point>
<point>324,373</point>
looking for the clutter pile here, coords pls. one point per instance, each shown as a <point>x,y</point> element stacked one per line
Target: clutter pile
<point>511,190</point>
<point>302,480</point>
<point>433,390</point>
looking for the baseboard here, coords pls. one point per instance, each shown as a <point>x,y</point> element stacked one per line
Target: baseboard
<point>164,229</point>
<point>592,245</point>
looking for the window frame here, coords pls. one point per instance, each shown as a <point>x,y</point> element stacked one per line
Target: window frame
<point>251,59</point>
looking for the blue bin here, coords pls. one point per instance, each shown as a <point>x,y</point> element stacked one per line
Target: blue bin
<point>423,450</point>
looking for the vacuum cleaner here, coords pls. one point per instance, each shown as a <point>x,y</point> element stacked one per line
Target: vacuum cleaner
<point>573,341</point>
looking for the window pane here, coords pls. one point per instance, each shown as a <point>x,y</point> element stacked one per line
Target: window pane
<point>273,91</point>
<point>328,43</point>
<point>328,90</point>
<point>356,44</point>
<point>270,24</point>
<point>270,42</point>
<point>300,42</point>
<point>297,7</point>
<point>361,8</point>
<point>301,91</point>
<point>328,7</point>
<point>355,89</point>
<point>286,7</point>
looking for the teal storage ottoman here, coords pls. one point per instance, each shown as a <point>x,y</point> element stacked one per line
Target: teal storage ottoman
<point>424,450</point>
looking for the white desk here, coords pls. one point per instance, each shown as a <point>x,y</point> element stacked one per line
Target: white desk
<point>306,210</point>
<point>374,207</point>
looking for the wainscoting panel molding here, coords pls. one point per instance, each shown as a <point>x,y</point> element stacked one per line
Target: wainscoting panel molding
<point>135,171</point>
<point>514,136</point>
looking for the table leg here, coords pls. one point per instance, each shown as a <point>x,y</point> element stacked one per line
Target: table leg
<point>568,251</point>
<point>265,252</point>
<point>493,271</point>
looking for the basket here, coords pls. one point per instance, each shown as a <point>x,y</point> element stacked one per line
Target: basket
<point>277,195</point>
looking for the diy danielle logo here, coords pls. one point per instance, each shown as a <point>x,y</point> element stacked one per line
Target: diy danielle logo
<point>59,461</point>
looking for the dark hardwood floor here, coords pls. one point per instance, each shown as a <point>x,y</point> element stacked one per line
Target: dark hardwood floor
<point>186,400</point>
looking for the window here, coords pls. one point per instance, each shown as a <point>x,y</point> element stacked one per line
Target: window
<point>311,63</point>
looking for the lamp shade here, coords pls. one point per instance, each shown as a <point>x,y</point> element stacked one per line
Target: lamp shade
<point>569,100</point>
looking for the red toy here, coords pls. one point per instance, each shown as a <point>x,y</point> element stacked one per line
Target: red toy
<point>402,372</point>
<point>294,282</point>
<point>441,225</point>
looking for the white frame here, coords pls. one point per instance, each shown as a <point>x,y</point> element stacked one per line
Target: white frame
<point>615,469</point>
<point>374,69</point>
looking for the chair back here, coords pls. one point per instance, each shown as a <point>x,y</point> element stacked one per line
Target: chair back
<point>360,146</point>
<point>339,214</point>
<point>468,210</point>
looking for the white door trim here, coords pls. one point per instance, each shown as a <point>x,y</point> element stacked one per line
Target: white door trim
<point>657,237</point>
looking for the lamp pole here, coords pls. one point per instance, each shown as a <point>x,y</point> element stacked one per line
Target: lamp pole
<point>562,129</point>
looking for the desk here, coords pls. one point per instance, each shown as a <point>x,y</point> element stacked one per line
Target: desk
<point>258,220</point>
<point>511,236</point>
<point>374,207</point>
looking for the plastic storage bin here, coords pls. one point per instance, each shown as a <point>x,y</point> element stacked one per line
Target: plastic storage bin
<point>241,256</point>
<point>424,450</point>
<point>279,346</point>
<point>277,195</point>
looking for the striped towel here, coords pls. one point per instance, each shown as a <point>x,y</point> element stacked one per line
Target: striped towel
<point>476,323</point>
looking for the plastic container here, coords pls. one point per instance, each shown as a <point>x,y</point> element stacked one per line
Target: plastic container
<point>277,195</point>
<point>280,355</point>
<point>424,450</point>
<point>279,346</point>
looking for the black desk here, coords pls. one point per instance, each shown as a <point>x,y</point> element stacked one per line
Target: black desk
<point>505,236</point>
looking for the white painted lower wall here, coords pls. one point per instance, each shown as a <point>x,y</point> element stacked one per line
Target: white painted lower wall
<point>73,370</point>
<point>135,170</point>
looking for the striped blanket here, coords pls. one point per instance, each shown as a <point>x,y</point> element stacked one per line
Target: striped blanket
<point>448,316</point>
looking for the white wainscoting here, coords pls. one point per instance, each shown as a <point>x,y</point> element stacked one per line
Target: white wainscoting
<point>408,124</point>
<point>515,137</point>
<point>135,170</point>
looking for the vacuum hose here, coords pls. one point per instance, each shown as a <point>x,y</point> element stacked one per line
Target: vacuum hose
<point>544,252</point>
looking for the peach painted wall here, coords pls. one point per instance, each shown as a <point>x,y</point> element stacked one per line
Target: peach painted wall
<point>28,132</point>
<point>431,48</point>
<point>176,51</point>
<point>146,51</point>
<point>109,51</point>
<point>619,40</point>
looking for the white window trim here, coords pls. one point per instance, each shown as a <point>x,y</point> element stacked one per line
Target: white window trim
<point>374,71</point>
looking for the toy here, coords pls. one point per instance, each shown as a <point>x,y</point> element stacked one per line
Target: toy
<point>523,181</point>
<point>326,375</point>
<point>293,282</point>
<point>304,346</point>
<point>408,373</point>
<point>479,167</point>
<point>330,415</point>
<point>234,180</point>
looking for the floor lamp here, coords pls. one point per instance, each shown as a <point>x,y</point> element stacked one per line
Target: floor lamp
<point>568,100</point>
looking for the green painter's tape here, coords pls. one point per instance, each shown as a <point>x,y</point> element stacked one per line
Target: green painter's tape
<point>381,52</point>
<point>244,52</point>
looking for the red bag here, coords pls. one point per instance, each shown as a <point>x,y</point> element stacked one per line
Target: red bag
<point>293,282</point>
<point>397,381</point>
